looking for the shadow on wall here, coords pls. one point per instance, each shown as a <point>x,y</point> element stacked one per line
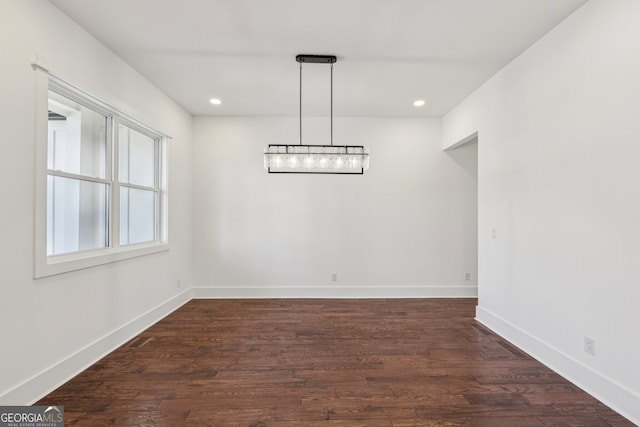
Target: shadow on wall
<point>465,154</point>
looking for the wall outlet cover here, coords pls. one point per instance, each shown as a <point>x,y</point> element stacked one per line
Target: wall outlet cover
<point>590,346</point>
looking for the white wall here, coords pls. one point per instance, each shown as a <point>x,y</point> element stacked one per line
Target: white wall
<point>407,227</point>
<point>51,328</point>
<point>559,143</point>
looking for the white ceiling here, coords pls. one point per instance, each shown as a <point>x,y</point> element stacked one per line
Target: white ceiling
<point>390,52</point>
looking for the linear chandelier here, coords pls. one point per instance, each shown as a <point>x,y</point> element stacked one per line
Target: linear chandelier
<point>316,159</point>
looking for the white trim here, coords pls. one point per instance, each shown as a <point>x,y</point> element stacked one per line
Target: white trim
<point>40,163</point>
<point>618,397</point>
<point>462,142</point>
<point>114,176</point>
<point>61,174</point>
<point>622,400</point>
<point>47,265</point>
<point>53,377</point>
<point>64,87</point>
<point>58,264</point>
<point>138,187</point>
<point>336,292</point>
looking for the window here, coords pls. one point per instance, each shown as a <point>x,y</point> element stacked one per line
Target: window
<point>78,184</point>
<point>138,183</point>
<point>102,193</point>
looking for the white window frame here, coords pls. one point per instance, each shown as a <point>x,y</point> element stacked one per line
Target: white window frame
<point>118,184</point>
<point>48,265</point>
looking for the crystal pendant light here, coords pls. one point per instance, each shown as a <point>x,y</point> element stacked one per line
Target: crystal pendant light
<point>316,159</point>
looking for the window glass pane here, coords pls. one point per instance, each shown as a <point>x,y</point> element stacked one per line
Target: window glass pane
<point>137,216</point>
<point>76,215</point>
<point>77,141</point>
<point>137,157</point>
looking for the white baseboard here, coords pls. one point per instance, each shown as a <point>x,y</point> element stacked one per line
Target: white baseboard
<point>38,386</point>
<point>618,397</point>
<point>41,384</point>
<point>337,292</point>
<point>609,392</point>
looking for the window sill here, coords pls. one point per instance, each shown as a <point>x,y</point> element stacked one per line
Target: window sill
<point>52,265</point>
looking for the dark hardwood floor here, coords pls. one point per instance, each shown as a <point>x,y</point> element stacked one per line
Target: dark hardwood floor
<point>286,363</point>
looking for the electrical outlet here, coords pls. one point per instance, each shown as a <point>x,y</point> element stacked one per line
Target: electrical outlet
<point>493,233</point>
<point>467,276</point>
<point>590,346</point>
<point>178,284</point>
<point>334,277</point>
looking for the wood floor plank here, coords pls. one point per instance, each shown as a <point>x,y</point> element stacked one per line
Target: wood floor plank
<point>324,363</point>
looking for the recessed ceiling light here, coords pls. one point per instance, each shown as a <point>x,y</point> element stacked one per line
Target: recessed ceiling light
<point>215,101</point>
<point>418,103</point>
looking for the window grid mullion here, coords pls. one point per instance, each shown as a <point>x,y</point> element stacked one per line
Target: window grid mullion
<point>139,187</point>
<point>115,204</point>
<point>55,172</point>
<point>156,183</point>
<point>109,176</point>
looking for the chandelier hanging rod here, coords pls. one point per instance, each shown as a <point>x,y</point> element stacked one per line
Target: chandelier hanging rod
<point>317,59</point>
